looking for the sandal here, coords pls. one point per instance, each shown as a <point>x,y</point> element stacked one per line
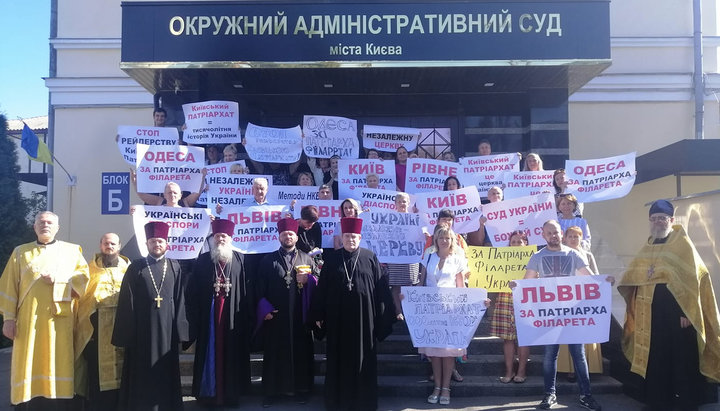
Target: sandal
<point>433,398</point>
<point>456,376</point>
<point>506,380</point>
<point>445,399</point>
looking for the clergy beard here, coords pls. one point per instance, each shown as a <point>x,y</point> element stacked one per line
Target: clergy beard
<point>221,253</point>
<point>110,260</point>
<point>660,232</point>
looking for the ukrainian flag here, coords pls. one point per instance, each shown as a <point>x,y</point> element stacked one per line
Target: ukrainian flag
<point>36,149</point>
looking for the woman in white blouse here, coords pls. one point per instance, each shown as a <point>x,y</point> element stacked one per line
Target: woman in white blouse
<point>445,266</point>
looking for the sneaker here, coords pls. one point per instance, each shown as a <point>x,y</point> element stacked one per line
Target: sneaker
<point>587,401</point>
<point>548,402</point>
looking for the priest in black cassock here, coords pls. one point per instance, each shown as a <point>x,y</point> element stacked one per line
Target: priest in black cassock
<point>285,283</point>
<point>354,305</point>
<point>150,324</point>
<point>221,315</point>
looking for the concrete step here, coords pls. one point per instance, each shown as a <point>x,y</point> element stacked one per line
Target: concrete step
<point>473,386</point>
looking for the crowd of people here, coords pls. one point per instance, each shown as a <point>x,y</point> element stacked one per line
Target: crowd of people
<point>111,331</point>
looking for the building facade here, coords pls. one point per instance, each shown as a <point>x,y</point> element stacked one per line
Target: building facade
<point>566,79</point>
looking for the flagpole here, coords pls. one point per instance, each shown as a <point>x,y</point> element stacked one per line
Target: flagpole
<point>71,178</point>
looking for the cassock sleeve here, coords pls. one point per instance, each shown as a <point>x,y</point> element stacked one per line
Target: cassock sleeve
<point>124,330</point>
<point>80,278</point>
<point>10,287</point>
<point>192,299</point>
<point>318,301</point>
<point>181,323</point>
<point>384,305</point>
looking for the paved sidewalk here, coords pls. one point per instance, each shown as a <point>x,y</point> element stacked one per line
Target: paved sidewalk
<point>610,402</point>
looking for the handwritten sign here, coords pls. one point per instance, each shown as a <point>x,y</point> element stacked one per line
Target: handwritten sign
<point>231,189</point>
<point>255,227</point>
<point>527,214</point>
<point>130,136</point>
<point>487,171</point>
<point>327,136</point>
<point>159,165</point>
<point>492,268</point>
<point>286,194</point>
<point>601,179</point>
<point>386,138</point>
<point>235,167</point>
<point>443,317</point>
<point>211,122</point>
<point>562,310</point>
<point>527,183</point>
<point>424,175</point>
<point>465,203</point>
<point>352,174</point>
<point>394,237</point>
<point>329,214</point>
<point>376,199</point>
<point>188,229</point>
<point>273,145</point>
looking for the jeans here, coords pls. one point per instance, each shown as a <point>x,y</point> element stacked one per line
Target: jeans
<point>577,352</point>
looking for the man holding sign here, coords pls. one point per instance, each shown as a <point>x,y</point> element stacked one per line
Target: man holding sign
<point>553,261</point>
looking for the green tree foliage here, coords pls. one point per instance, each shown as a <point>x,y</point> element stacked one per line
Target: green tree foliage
<point>14,229</point>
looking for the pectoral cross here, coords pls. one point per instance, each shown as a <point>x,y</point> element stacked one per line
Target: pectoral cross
<point>227,286</point>
<point>651,271</point>
<point>157,301</point>
<point>350,285</point>
<point>217,286</point>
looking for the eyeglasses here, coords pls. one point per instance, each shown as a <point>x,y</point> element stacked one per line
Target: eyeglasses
<point>659,218</point>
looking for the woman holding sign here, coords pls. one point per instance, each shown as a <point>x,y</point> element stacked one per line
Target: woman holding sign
<point>445,267</point>
<point>503,326</point>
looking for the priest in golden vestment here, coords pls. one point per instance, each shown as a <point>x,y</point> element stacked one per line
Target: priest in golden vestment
<point>39,291</point>
<point>671,335</point>
<point>100,366</point>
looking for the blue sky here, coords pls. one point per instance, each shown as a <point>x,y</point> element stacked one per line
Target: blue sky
<point>24,57</point>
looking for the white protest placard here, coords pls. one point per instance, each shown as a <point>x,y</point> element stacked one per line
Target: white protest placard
<point>327,136</point>
<point>286,194</point>
<point>130,136</point>
<point>562,310</point>
<point>273,145</point>
<point>527,183</point>
<point>234,167</point>
<point>393,237</point>
<point>487,171</point>
<point>352,174</point>
<point>188,229</point>
<point>526,214</point>
<point>159,165</point>
<point>211,122</point>
<point>464,202</point>
<point>424,174</point>
<point>329,214</point>
<point>255,227</point>
<point>601,179</point>
<point>231,190</point>
<point>377,199</point>
<point>443,317</point>
<point>386,138</point>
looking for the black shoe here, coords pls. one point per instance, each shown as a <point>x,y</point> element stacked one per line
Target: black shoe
<point>547,402</point>
<point>267,402</point>
<point>587,401</point>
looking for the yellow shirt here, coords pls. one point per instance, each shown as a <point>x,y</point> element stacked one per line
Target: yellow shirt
<point>101,296</point>
<point>43,350</point>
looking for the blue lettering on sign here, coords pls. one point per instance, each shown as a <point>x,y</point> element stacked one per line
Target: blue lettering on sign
<point>115,193</point>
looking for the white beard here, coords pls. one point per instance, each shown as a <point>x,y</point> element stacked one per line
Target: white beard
<point>221,253</point>
<point>660,233</point>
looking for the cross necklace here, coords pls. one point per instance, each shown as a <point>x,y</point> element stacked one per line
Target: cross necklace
<point>288,273</point>
<point>350,274</point>
<point>162,281</point>
<point>653,260</point>
<point>221,281</point>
